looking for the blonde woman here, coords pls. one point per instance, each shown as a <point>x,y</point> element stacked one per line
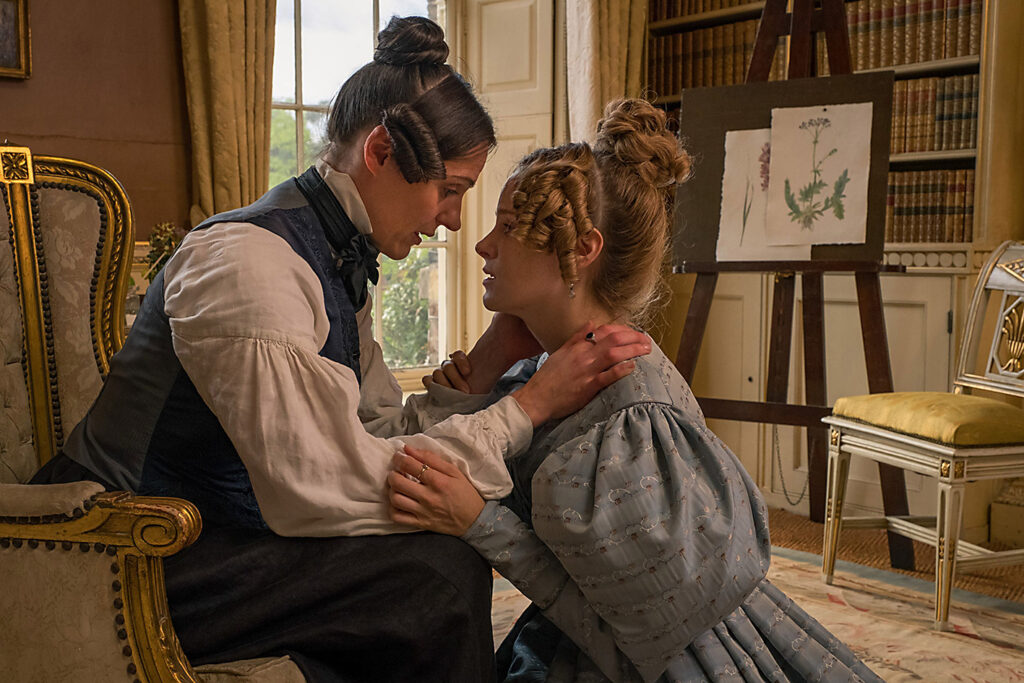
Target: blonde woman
<point>637,534</point>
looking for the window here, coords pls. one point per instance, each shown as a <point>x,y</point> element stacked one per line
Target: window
<point>318,45</point>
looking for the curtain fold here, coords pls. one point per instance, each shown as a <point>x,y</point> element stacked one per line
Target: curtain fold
<point>604,57</point>
<point>228,57</point>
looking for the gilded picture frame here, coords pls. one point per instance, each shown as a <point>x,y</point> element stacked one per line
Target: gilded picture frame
<point>15,39</point>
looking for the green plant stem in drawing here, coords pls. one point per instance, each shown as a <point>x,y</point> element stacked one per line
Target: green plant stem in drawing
<point>748,202</point>
<point>804,208</point>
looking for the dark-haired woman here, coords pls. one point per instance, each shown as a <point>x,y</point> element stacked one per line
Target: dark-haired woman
<point>637,534</point>
<point>250,370</point>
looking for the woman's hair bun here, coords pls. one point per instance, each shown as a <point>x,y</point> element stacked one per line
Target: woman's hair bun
<point>411,40</point>
<point>633,133</point>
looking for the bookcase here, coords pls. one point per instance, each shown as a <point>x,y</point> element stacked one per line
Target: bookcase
<point>955,182</point>
<point>956,190</point>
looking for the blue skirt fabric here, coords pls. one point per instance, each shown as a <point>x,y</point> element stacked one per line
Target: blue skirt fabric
<point>768,638</point>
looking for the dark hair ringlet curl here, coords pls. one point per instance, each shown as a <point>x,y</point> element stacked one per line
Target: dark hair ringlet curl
<point>429,110</point>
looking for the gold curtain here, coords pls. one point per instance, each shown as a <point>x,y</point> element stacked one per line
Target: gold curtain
<point>604,57</point>
<point>228,55</point>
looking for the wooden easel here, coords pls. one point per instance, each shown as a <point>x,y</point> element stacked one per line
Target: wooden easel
<point>805,21</point>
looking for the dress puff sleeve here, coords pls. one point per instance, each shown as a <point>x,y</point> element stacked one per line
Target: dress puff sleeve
<point>646,532</point>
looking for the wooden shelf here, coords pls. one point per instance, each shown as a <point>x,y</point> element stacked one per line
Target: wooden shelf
<point>927,246</point>
<point>936,67</point>
<point>951,158</point>
<point>716,17</point>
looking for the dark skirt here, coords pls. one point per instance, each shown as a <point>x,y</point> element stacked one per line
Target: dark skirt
<point>408,607</point>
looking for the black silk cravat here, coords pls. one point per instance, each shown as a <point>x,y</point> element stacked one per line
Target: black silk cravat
<point>354,254</point>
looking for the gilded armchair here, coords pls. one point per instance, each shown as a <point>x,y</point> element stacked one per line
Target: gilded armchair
<point>81,570</point>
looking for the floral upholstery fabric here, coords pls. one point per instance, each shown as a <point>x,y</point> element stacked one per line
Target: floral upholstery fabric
<point>17,450</point>
<point>70,228</point>
<point>64,604</point>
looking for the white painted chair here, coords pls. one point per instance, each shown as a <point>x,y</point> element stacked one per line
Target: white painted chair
<point>955,438</point>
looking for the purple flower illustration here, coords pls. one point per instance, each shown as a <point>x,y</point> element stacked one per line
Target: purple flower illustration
<point>765,160</point>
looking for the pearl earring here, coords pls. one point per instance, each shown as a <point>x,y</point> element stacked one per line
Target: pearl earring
<point>572,290</point>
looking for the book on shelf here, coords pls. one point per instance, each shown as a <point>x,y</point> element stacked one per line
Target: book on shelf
<point>890,208</point>
<point>968,220</point>
<point>930,206</point>
<point>892,32</point>
<point>706,57</point>
<point>898,135</point>
<point>937,113</point>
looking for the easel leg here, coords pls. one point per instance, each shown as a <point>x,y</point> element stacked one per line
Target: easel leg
<point>876,357</point>
<point>696,323</point>
<point>814,378</point>
<point>780,337</point>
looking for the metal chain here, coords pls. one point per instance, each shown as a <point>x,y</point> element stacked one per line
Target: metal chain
<point>782,478</point>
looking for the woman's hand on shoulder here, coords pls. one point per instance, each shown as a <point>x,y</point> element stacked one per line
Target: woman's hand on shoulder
<point>428,492</point>
<point>589,361</point>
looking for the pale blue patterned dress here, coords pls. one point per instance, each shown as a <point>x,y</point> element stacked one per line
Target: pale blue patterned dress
<point>643,544</point>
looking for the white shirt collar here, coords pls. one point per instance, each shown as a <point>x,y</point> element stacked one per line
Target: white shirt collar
<point>344,189</point>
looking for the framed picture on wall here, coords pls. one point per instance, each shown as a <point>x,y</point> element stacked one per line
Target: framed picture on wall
<point>15,54</point>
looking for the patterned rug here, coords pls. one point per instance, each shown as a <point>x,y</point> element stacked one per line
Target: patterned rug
<point>869,547</point>
<point>884,617</point>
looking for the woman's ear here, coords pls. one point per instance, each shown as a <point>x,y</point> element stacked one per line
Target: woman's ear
<point>376,149</point>
<point>589,248</point>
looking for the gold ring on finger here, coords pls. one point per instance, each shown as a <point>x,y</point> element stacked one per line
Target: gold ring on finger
<point>422,470</point>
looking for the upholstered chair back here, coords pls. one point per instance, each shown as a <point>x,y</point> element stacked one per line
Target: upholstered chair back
<point>64,270</point>
<point>992,354</point>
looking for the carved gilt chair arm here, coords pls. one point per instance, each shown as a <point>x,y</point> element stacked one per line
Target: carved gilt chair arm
<point>128,536</point>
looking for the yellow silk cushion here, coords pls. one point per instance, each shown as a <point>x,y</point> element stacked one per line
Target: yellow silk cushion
<point>954,419</point>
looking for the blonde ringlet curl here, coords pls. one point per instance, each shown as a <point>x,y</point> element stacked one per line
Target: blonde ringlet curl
<point>623,186</point>
<point>553,200</point>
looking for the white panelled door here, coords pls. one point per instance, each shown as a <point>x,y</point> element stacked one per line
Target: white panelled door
<point>730,360</point>
<point>509,57</point>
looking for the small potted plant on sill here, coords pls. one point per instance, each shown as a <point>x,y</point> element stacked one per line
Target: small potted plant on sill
<point>163,240</point>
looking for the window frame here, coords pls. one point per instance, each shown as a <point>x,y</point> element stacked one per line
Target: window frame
<point>450,257</point>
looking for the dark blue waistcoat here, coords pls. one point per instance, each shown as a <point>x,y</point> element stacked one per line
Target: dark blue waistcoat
<point>150,432</point>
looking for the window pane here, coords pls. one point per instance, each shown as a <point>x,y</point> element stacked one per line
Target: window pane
<point>410,293</point>
<point>282,145</point>
<point>314,136</point>
<point>337,39</point>
<point>284,52</point>
<point>404,8</point>
<point>440,236</point>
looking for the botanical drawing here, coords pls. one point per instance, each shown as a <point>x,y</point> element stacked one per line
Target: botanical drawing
<point>805,210</point>
<point>745,182</point>
<point>820,161</point>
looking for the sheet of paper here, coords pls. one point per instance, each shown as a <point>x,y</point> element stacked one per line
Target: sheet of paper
<point>819,174</point>
<point>741,228</point>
